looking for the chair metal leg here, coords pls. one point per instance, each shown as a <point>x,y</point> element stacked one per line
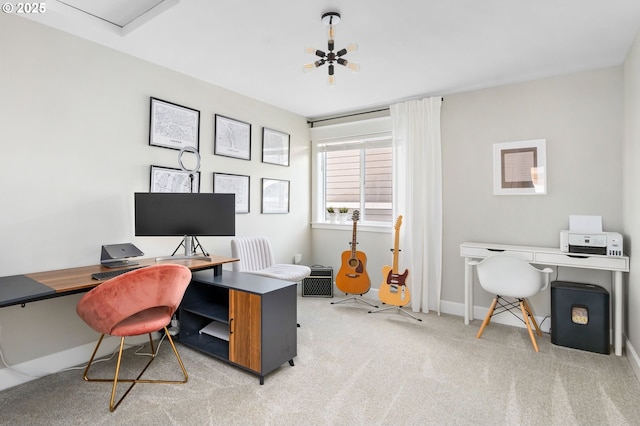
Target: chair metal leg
<point>112,407</point>
<point>355,297</point>
<point>526,320</point>
<point>115,379</point>
<point>487,318</point>
<point>86,369</point>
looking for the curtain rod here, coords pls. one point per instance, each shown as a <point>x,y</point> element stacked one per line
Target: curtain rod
<point>348,115</point>
<point>351,115</point>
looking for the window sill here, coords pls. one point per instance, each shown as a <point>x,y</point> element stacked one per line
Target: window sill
<point>364,227</point>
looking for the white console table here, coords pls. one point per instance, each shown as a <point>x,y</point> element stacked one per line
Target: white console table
<point>551,257</point>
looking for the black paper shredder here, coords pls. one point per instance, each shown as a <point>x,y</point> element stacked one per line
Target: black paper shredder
<point>580,316</point>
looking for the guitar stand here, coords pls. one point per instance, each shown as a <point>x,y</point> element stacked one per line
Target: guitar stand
<point>399,309</point>
<point>357,298</point>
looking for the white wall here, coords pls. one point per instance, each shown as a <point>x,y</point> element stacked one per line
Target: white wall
<point>74,120</point>
<point>631,204</point>
<point>580,116</point>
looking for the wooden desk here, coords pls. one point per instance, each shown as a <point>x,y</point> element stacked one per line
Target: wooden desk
<point>551,257</point>
<point>21,289</point>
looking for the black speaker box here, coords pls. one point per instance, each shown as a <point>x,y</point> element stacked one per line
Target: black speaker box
<point>319,283</point>
<point>580,316</point>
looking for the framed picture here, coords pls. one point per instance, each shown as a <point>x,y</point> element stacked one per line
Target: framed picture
<point>232,138</point>
<point>275,147</point>
<point>225,183</point>
<point>275,196</point>
<point>173,126</point>
<point>167,179</point>
<point>519,168</point>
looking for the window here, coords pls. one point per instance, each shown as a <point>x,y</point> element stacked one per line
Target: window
<point>358,175</point>
<point>352,167</point>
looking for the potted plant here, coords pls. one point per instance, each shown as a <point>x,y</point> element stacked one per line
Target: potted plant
<point>331,215</point>
<point>343,214</point>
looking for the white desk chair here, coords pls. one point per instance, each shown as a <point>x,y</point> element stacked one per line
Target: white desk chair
<point>256,257</point>
<point>512,277</point>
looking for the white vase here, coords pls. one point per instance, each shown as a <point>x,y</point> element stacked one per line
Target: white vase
<point>343,217</point>
<point>332,217</point>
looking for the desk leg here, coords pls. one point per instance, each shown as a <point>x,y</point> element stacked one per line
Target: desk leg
<point>468,292</point>
<point>617,312</point>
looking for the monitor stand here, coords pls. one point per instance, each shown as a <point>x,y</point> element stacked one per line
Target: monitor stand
<point>189,250</point>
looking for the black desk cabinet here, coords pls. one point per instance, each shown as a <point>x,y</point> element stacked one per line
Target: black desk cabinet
<point>250,321</point>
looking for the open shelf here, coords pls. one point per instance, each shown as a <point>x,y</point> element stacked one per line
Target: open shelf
<point>207,344</point>
<point>209,310</point>
<point>216,329</point>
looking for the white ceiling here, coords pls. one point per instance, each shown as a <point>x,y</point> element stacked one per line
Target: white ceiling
<point>407,48</point>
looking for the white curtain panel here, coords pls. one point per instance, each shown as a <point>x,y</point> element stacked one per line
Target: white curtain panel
<point>417,169</point>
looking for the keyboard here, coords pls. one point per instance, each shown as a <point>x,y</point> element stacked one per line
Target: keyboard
<point>110,274</point>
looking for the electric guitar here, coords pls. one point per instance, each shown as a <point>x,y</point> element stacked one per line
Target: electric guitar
<point>353,277</point>
<point>393,290</point>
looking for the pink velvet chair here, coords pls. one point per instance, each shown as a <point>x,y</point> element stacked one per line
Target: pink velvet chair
<point>135,303</point>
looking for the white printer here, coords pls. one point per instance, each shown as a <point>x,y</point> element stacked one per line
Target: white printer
<point>603,243</point>
<point>585,235</point>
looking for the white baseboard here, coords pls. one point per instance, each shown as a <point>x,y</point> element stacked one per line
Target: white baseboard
<point>36,368</point>
<point>633,358</point>
<point>452,308</point>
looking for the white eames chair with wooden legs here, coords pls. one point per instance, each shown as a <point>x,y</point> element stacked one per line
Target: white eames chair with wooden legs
<point>511,277</point>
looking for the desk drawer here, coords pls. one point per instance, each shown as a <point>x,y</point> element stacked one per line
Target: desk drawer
<point>482,252</point>
<point>583,261</point>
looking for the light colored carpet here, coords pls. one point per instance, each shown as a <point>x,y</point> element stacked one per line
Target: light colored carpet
<point>357,368</point>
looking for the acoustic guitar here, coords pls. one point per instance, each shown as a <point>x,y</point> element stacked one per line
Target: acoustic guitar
<point>394,290</point>
<point>352,277</point>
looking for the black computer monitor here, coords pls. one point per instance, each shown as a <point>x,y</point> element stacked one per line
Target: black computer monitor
<point>188,215</point>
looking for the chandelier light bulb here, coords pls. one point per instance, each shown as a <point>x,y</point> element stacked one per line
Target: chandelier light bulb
<point>307,68</point>
<point>353,66</point>
<point>350,48</point>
